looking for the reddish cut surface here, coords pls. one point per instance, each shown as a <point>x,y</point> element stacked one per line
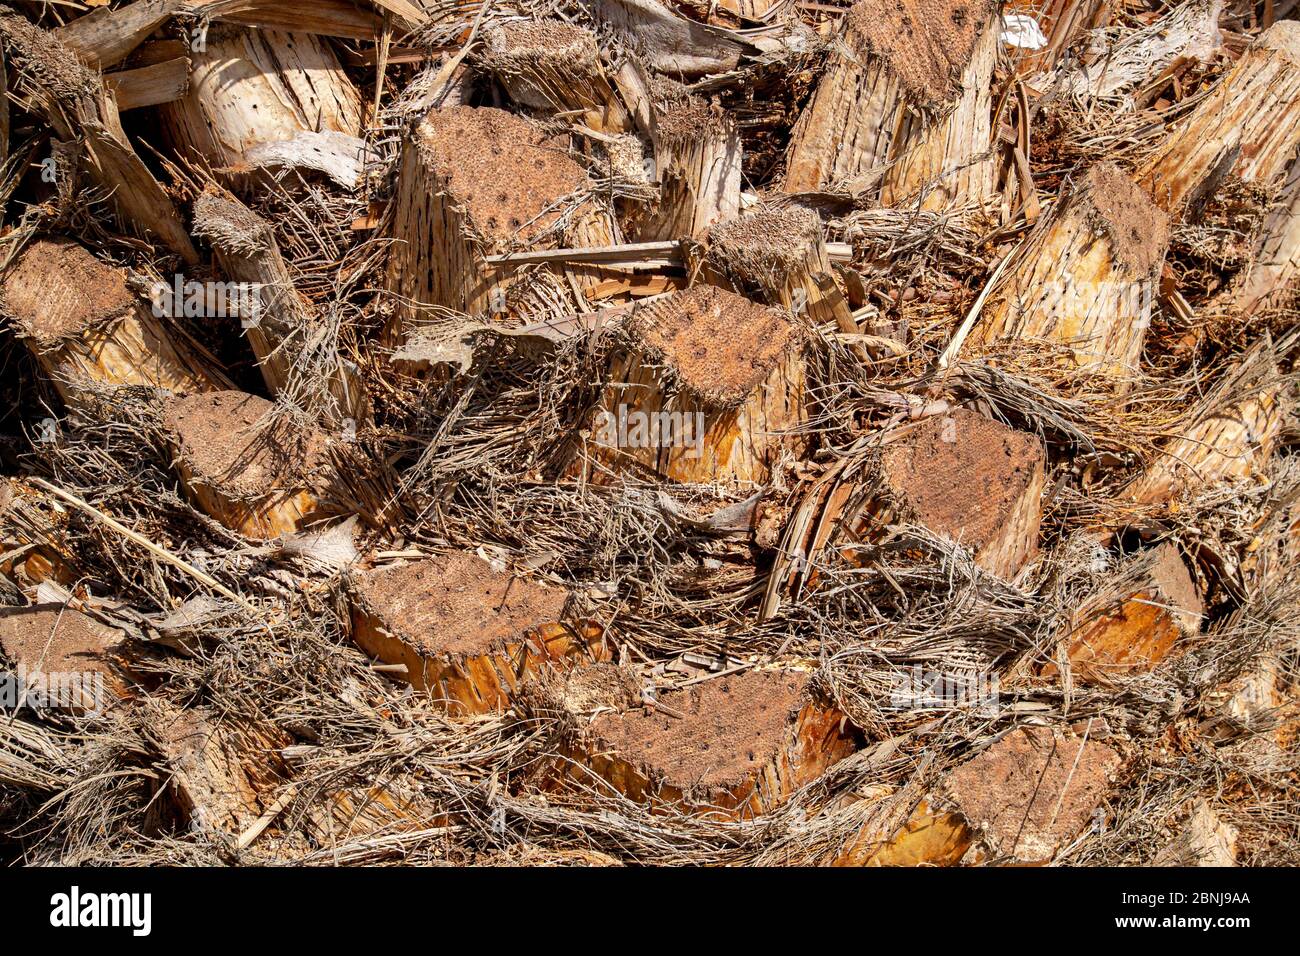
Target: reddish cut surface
<point>456,605</point>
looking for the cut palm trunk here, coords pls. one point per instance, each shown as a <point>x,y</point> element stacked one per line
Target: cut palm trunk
<point>1133,623</point>
<point>905,110</point>
<point>709,387</point>
<point>1271,280</point>
<point>1086,277</point>
<point>255,93</point>
<point>83,324</point>
<point>926,838</point>
<point>732,747</point>
<point>965,478</point>
<point>697,161</point>
<point>777,256</point>
<point>296,349</point>
<point>555,67</point>
<point>477,182</point>
<point>464,633</point>
<point>1229,435</point>
<point>259,476</point>
<point>69,659</point>
<point>72,99</point>
<point>1030,794</point>
<point>1249,126</point>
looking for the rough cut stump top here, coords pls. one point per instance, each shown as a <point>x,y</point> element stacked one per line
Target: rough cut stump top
<point>223,441</point>
<point>926,44</point>
<point>57,290</point>
<point>962,475</point>
<point>715,344</point>
<point>732,728</point>
<point>51,638</point>
<point>1033,791</point>
<point>456,606</point>
<point>502,169</point>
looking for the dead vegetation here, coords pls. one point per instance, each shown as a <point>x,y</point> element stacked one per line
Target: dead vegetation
<point>598,432</point>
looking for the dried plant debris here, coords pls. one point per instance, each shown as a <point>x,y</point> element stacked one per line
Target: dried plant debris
<point>631,432</point>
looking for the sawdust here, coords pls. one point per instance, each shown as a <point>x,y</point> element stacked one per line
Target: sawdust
<point>456,605</point>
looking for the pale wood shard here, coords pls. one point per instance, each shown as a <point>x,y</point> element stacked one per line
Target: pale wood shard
<point>68,655</point>
<point>74,102</point>
<point>697,161</point>
<point>555,67</point>
<point>104,37</point>
<point>1227,436</point>
<point>1087,276</point>
<point>1133,623</point>
<point>925,838</point>
<point>1249,126</point>
<point>258,477</point>
<point>710,388</point>
<point>778,256</point>
<point>329,18</point>
<point>904,109</point>
<point>150,85</point>
<point>733,747</point>
<point>475,182</point>
<point>288,333</point>
<point>963,477</point>
<point>34,538</point>
<point>220,768</point>
<point>1205,839</point>
<point>669,44</point>
<point>251,88</point>
<point>82,324</point>
<point>1028,795</point>
<point>1272,277</point>
<point>1062,23</point>
<point>1187,33</point>
<point>466,634</point>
